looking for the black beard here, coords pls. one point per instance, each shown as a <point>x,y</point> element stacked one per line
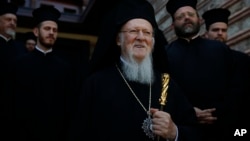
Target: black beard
<point>48,46</point>
<point>179,31</point>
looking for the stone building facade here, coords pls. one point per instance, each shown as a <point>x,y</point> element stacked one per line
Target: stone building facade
<point>239,20</point>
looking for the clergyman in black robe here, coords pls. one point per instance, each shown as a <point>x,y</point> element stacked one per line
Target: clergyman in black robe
<point>203,68</point>
<point>9,50</point>
<point>217,27</point>
<point>115,106</point>
<point>42,85</point>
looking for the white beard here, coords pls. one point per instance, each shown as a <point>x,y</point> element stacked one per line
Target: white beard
<point>11,33</point>
<point>139,72</point>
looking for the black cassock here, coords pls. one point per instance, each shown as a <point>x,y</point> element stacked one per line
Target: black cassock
<point>108,110</point>
<point>205,70</point>
<point>9,50</point>
<point>42,95</point>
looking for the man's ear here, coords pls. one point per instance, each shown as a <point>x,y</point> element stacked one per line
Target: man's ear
<point>118,40</point>
<point>172,26</point>
<point>205,35</point>
<point>201,21</point>
<point>35,31</point>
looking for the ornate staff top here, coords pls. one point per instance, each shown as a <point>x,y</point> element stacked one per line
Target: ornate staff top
<point>165,81</point>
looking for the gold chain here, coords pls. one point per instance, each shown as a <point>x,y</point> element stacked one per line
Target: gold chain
<point>149,105</point>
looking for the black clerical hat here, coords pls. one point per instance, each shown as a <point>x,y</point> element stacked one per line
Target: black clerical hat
<point>131,9</point>
<point>8,8</point>
<point>45,13</point>
<point>30,35</point>
<point>173,5</point>
<point>216,15</point>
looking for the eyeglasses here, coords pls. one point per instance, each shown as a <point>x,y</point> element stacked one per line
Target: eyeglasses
<point>136,32</point>
<point>183,15</point>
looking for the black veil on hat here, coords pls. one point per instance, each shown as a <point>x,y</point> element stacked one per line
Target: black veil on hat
<point>173,5</point>
<point>6,7</point>
<point>132,9</point>
<point>45,13</point>
<point>106,52</point>
<point>216,15</point>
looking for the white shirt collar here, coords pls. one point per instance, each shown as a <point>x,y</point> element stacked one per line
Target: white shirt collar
<point>191,38</point>
<point>43,51</point>
<point>6,39</point>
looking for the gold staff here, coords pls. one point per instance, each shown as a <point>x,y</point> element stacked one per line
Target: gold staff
<point>165,81</point>
<point>163,99</point>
